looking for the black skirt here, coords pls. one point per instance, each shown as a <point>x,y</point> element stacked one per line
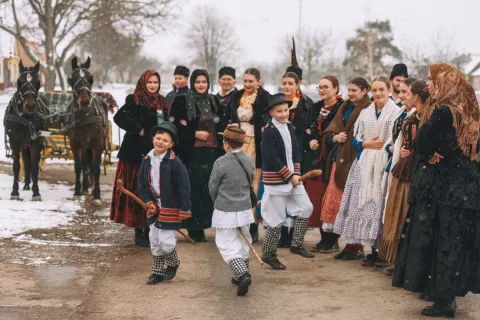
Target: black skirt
<point>199,168</point>
<point>439,251</point>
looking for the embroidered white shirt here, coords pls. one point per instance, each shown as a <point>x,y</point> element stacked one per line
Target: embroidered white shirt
<point>155,162</point>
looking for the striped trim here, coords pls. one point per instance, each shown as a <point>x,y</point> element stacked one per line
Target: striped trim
<point>172,215</point>
<point>296,169</point>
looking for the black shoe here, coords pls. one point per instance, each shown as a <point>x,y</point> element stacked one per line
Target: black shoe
<point>371,259</point>
<point>425,297</point>
<point>170,273</point>
<point>330,249</point>
<point>274,263</point>
<point>319,246</point>
<point>243,283</point>
<point>381,263</point>
<point>389,272</point>
<point>234,281</point>
<point>339,256</point>
<point>353,255</point>
<point>301,252</point>
<point>441,310</point>
<point>284,242</point>
<point>255,237</point>
<point>142,242</point>
<point>200,236</point>
<point>154,279</point>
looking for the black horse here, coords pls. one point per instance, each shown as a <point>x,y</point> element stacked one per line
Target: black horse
<point>86,129</point>
<point>22,123</point>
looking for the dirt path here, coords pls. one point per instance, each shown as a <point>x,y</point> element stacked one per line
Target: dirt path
<point>101,275</point>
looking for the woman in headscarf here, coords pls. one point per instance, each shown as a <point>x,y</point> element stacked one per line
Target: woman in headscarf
<point>440,244</point>
<point>198,118</point>
<point>246,108</point>
<point>413,98</point>
<point>339,154</point>
<point>142,110</point>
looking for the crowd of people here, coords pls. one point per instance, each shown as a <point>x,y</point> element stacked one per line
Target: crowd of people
<point>399,167</point>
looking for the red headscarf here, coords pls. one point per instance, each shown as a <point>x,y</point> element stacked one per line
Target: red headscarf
<point>143,97</point>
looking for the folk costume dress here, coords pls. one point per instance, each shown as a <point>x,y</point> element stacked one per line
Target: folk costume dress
<point>361,209</point>
<point>438,252</point>
<point>139,112</point>
<point>320,118</point>
<point>397,200</point>
<point>339,158</point>
<point>193,112</point>
<point>247,111</point>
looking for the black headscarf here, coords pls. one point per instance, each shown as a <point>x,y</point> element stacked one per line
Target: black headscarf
<point>194,76</point>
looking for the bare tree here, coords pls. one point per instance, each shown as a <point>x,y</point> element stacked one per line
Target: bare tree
<point>419,58</point>
<point>212,40</point>
<point>311,51</point>
<point>59,26</point>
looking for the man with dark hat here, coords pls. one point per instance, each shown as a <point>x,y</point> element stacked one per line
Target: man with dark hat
<point>180,85</point>
<point>399,73</point>
<point>283,190</point>
<point>226,80</point>
<point>164,186</point>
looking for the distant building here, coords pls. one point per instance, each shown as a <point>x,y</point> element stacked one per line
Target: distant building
<point>472,71</point>
<point>8,71</point>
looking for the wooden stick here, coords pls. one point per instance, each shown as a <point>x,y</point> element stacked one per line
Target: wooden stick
<point>306,176</point>
<point>145,206</point>
<point>250,245</point>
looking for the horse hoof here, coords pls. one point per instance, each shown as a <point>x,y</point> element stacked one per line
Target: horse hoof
<point>85,193</point>
<point>97,202</point>
<point>26,188</point>
<point>76,197</point>
<point>14,197</point>
<point>36,198</point>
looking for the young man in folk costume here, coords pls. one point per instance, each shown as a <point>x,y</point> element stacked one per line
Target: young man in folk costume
<point>398,74</point>
<point>164,185</point>
<point>281,170</point>
<point>226,80</point>
<point>230,185</point>
<point>180,85</point>
<point>299,116</point>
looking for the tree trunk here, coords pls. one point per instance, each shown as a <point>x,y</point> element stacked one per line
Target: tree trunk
<point>50,76</point>
<point>58,67</point>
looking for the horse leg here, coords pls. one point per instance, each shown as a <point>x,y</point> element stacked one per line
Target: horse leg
<point>86,167</point>
<point>16,170</point>
<point>26,155</point>
<point>78,171</point>
<point>35,150</point>
<point>97,158</point>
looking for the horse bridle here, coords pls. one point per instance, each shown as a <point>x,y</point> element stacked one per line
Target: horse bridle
<point>30,87</point>
<point>83,81</point>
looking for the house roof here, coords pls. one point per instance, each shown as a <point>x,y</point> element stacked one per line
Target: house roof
<point>473,67</point>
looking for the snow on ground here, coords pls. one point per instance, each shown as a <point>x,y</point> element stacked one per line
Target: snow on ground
<point>55,209</point>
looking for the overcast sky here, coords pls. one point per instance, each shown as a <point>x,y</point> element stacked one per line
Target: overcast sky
<point>260,24</point>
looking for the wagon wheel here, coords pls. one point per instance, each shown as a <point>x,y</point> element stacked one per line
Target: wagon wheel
<point>107,159</point>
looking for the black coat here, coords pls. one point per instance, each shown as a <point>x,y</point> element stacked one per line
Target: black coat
<point>133,118</point>
<point>173,94</point>
<point>259,119</point>
<point>311,159</point>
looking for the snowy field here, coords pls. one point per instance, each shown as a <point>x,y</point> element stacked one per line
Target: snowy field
<point>57,208</point>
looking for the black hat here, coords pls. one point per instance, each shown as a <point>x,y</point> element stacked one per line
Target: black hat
<point>167,126</point>
<point>276,99</point>
<point>297,70</point>
<point>399,69</point>
<point>181,70</point>
<point>226,71</point>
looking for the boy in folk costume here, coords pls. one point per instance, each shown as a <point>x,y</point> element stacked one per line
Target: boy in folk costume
<point>229,186</point>
<point>281,170</point>
<point>164,185</point>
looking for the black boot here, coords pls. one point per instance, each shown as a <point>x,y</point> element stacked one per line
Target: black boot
<point>301,252</point>
<point>441,310</point>
<point>154,279</point>
<point>170,273</point>
<point>146,234</point>
<point>274,263</point>
<point>200,236</point>
<point>243,283</point>
<point>283,241</point>
<point>254,232</point>
<point>140,239</point>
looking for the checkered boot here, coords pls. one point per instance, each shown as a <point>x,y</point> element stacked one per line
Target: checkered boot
<point>172,264</point>
<point>269,247</point>
<point>247,263</point>
<point>238,267</point>
<point>158,265</point>
<point>299,229</point>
